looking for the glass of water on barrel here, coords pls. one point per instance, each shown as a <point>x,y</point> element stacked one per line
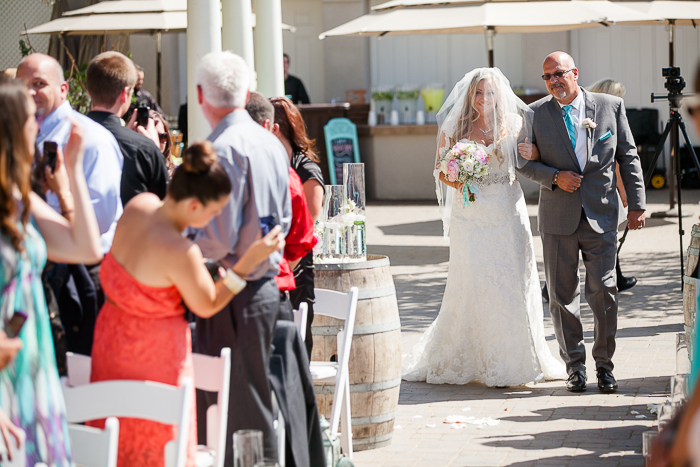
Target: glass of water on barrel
<point>354,212</point>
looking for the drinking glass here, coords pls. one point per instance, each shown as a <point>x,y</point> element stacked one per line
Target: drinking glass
<point>354,212</point>
<point>333,238</point>
<point>679,390</point>
<point>247,448</point>
<point>666,411</point>
<point>682,356</point>
<point>648,438</point>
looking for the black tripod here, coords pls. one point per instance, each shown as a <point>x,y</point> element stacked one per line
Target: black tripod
<point>674,85</point>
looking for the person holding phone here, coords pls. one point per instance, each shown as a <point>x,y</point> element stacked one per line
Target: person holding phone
<point>30,232</point>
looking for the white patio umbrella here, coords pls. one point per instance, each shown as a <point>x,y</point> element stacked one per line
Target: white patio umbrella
<point>126,17</point>
<point>399,17</point>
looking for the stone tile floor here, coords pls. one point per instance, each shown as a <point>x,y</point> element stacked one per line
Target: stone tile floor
<point>540,424</point>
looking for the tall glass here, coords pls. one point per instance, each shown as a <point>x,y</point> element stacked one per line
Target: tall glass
<point>247,448</point>
<point>354,215</point>
<point>682,356</point>
<point>333,238</point>
<point>679,390</point>
<point>648,438</point>
<point>666,412</point>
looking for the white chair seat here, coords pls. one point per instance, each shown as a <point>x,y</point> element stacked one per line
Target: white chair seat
<point>322,371</point>
<point>205,457</point>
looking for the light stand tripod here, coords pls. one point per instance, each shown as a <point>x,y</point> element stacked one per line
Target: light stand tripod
<point>674,85</point>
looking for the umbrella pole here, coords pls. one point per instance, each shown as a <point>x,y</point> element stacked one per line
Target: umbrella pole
<point>158,66</point>
<point>671,28</point>
<point>489,44</point>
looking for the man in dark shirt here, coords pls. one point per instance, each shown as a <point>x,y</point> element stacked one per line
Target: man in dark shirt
<point>293,87</point>
<point>110,82</point>
<point>141,96</point>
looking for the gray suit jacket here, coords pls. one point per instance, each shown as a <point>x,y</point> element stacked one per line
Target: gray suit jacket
<point>611,140</point>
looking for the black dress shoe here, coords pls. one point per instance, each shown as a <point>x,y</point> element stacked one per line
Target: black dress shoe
<point>545,293</point>
<point>625,283</point>
<point>606,381</point>
<point>576,381</point>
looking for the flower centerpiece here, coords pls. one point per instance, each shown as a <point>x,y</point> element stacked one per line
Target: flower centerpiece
<point>467,164</point>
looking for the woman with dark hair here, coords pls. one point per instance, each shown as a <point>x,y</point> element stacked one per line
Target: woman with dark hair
<point>290,129</point>
<point>31,231</point>
<point>164,141</point>
<point>141,332</point>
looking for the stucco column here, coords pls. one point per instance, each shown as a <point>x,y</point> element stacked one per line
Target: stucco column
<point>268,47</point>
<point>203,36</point>
<point>237,29</point>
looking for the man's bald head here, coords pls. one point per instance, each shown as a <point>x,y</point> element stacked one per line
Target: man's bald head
<point>561,76</point>
<point>44,77</point>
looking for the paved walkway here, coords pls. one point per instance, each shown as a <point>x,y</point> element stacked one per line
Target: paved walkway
<point>539,424</point>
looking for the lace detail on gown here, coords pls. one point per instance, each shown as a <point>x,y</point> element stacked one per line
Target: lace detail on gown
<point>490,326</point>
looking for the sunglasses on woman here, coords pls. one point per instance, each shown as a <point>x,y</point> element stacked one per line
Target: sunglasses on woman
<point>162,137</point>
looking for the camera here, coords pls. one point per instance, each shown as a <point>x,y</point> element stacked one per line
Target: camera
<point>674,81</point>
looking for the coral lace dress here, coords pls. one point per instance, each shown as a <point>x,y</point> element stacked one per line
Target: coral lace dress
<point>141,334</point>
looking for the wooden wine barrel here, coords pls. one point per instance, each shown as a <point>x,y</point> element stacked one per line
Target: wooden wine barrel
<point>375,354</point>
<point>690,302</point>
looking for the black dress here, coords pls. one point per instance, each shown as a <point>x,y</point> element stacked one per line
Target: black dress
<point>306,169</point>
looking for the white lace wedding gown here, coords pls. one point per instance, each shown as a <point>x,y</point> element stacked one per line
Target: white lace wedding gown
<point>490,326</point>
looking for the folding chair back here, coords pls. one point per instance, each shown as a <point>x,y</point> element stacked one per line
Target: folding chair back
<point>93,447</point>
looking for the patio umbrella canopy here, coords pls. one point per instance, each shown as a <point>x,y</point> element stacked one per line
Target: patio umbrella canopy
<point>399,17</point>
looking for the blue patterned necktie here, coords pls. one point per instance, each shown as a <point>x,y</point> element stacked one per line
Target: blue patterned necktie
<point>570,124</point>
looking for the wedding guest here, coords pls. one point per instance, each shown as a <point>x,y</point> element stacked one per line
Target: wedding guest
<point>257,164</point>
<point>300,240</point>
<point>165,142</point>
<point>102,165</point>
<point>141,332</point>
<point>293,86</point>
<point>289,128</point>
<point>110,81</point>
<point>142,97</point>
<point>30,232</point>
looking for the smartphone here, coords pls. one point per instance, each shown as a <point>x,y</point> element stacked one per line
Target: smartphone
<point>142,115</point>
<point>268,223</point>
<point>213,268</point>
<point>50,149</point>
<point>14,325</point>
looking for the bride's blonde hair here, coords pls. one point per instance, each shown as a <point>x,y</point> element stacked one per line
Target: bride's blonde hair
<point>470,114</point>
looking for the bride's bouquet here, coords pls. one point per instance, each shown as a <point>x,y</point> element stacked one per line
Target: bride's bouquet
<point>465,162</point>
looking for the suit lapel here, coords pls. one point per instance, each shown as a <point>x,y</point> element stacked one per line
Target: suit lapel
<point>556,110</point>
<point>590,133</point>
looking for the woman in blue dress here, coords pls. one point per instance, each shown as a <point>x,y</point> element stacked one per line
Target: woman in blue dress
<point>31,231</point>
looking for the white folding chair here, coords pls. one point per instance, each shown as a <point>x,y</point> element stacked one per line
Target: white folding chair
<point>214,374</point>
<point>79,368</point>
<point>340,306</point>
<point>93,447</point>
<point>300,317</point>
<point>135,399</point>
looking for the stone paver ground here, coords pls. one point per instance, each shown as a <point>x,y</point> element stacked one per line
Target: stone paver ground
<point>539,424</point>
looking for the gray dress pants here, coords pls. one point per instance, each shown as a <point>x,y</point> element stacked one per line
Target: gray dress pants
<point>246,325</point>
<point>561,259</point>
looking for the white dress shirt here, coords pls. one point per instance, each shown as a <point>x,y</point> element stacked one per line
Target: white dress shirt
<point>578,114</point>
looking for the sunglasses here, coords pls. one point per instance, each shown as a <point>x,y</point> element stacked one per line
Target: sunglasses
<point>162,137</point>
<point>558,74</point>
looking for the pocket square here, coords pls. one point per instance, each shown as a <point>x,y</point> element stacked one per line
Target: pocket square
<point>605,136</point>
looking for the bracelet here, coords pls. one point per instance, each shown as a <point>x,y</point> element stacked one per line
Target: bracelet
<point>556,178</point>
<point>233,282</point>
<point>66,212</point>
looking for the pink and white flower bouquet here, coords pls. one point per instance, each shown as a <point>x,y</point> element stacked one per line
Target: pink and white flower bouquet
<point>466,163</point>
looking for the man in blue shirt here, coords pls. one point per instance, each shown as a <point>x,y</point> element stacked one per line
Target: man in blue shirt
<point>259,169</point>
<point>102,163</point>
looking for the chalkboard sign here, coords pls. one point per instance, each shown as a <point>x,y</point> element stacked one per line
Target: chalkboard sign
<point>341,147</point>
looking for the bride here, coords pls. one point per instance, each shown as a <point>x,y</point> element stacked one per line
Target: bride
<point>490,326</point>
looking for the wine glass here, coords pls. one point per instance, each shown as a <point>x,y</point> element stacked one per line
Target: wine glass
<point>333,238</point>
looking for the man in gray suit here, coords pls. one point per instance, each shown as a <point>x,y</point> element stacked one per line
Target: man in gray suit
<point>580,135</point>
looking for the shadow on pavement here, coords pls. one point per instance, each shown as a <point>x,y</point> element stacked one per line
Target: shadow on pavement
<point>411,255</point>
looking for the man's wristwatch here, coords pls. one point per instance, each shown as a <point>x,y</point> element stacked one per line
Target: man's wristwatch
<point>233,282</point>
<point>556,178</point>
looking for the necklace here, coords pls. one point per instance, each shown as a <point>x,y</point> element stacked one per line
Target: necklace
<point>484,132</point>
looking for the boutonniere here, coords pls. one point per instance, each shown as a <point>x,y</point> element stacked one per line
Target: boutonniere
<point>589,124</point>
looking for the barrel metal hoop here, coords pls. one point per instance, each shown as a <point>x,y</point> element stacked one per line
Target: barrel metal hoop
<point>372,439</point>
<point>690,280</point>
<point>366,294</point>
<point>693,251</point>
<point>329,389</point>
<point>369,264</point>
<point>358,331</point>
<point>381,418</point>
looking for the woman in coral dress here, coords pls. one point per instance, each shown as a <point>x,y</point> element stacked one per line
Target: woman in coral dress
<point>141,332</point>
